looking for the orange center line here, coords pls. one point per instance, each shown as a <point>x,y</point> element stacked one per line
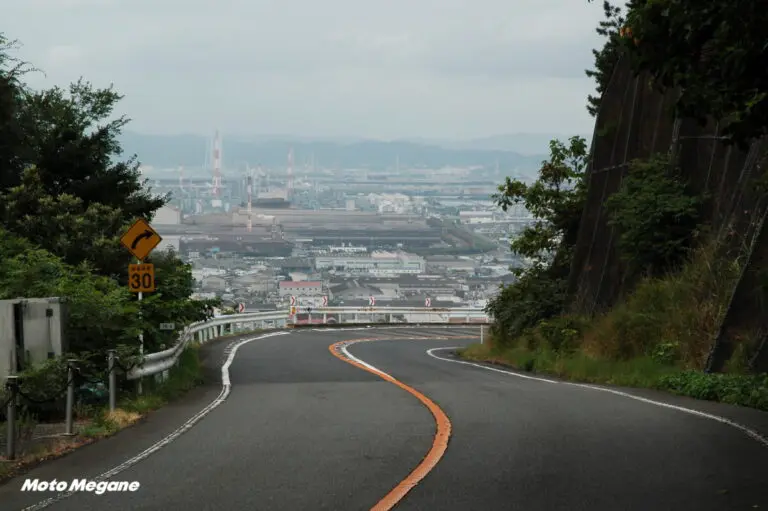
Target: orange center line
<point>442,432</point>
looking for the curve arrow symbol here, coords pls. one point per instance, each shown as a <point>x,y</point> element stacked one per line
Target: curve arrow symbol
<point>144,235</point>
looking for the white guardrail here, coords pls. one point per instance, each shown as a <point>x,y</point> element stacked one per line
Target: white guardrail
<point>162,361</point>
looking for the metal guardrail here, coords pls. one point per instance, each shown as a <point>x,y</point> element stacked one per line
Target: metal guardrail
<point>162,361</point>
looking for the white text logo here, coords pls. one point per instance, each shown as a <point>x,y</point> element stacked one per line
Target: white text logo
<point>97,487</point>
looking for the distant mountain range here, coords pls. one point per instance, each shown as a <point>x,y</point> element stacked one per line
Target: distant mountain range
<point>271,152</point>
<point>529,144</point>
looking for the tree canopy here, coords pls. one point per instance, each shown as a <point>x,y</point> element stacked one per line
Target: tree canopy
<point>607,56</point>
<point>712,52</point>
<point>555,200</point>
<point>66,197</point>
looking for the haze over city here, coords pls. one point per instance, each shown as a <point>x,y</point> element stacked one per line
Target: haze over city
<point>452,69</point>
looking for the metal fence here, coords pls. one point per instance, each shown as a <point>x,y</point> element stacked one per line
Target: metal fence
<point>155,363</point>
<point>159,364</point>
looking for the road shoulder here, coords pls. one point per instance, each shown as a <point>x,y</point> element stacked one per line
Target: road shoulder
<point>751,418</point>
<point>94,458</point>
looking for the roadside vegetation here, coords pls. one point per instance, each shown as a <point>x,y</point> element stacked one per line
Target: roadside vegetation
<point>66,196</point>
<point>660,333</point>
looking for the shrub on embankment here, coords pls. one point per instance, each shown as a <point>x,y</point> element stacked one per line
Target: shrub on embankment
<point>658,337</point>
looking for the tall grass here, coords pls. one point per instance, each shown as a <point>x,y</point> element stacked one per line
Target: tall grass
<point>658,336</point>
<point>674,318</point>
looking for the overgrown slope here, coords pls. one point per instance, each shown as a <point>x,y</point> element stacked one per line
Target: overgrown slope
<point>667,257</point>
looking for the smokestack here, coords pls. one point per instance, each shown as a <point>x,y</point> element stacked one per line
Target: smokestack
<point>216,165</point>
<point>250,194</point>
<point>289,186</point>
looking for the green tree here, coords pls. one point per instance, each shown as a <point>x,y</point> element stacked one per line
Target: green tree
<point>11,93</point>
<point>171,302</point>
<point>65,199</point>
<point>711,52</point>
<point>556,200</point>
<point>655,216</point>
<point>70,138</point>
<point>60,158</point>
<point>101,313</point>
<point>607,57</point>
<point>64,226</point>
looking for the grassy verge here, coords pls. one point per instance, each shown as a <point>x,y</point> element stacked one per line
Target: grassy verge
<point>94,423</point>
<point>657,337</point>
<point>641,372</point>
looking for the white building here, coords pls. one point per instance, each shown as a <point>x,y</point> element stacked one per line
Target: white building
<point>167,215</point>
<point>301,289</point>
<point>377,263</point>
<point>169,242</point>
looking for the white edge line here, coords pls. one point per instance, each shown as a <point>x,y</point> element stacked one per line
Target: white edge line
<point>510,373</point>
<point>226,387</point>
<point>350,356</point>
<point>361,362</point>
<point>754,435</point>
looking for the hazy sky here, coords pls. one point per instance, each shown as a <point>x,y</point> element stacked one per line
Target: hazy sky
<point>371,68</point>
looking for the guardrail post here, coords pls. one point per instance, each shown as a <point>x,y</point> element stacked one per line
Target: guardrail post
<point>112,380</point>
<point>12,386</point>
<point>70,396</point>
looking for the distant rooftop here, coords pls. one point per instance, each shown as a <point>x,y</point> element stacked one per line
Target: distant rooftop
<point>299,283</point>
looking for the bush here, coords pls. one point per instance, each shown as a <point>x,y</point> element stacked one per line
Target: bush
<point>654,215</point>
<point>735,389</point>
<point>519,306</point>
<point>561,334</point>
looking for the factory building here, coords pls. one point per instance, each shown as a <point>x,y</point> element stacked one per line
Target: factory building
<point>377,263</point>
<point>167,215</point>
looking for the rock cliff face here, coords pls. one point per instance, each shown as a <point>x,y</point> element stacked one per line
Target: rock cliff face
<point>636,121</point>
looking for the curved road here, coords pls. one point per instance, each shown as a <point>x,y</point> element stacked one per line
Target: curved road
<point>302,429</point>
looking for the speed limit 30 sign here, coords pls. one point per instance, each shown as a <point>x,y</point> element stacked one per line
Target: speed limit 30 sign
<point>141,278</point>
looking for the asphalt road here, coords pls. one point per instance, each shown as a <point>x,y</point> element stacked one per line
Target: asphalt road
<point>303,430</point>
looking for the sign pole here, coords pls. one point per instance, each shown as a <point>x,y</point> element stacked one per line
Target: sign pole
<point>141,338</point>
<point>140,240</point>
